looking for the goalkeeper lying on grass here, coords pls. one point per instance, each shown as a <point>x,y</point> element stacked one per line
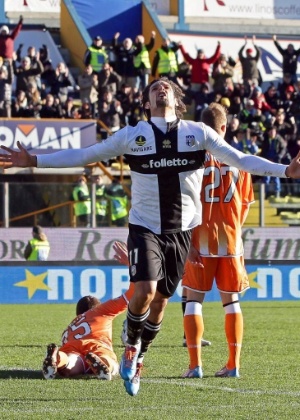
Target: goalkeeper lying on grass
<point>87,342</point>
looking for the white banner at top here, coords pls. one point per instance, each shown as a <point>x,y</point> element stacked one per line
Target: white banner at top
<point>38,6</point>
<point>253,9</point>
<point>161,7</point>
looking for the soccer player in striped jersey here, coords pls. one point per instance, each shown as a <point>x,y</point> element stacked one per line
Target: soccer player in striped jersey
<point>165,154</point>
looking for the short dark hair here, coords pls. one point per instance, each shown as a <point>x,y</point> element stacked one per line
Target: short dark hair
<point>37,229</point>
<point>86,303</point>
<point>37,233</point>
<point>180,108</point>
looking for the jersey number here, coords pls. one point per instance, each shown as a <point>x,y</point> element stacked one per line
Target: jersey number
<point>133,256</point>
<point>80,324</point>
<point>217,174</point>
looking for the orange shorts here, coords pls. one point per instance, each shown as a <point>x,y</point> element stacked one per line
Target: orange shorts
<point>82,347</point>
<point>229,273</point>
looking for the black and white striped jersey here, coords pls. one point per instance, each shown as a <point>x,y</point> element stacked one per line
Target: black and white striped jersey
<point>166,179</point>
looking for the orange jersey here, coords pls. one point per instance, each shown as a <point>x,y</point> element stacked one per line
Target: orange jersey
<point>95,325</point>
<point>225,195</point>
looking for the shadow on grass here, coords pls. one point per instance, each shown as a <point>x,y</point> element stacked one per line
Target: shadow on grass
<point>21,374</point>
<point>157,346</point>
<point>37,374</point>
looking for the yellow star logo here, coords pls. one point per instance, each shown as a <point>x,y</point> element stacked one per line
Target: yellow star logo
<point>33,283</point>
<point>252,283</point>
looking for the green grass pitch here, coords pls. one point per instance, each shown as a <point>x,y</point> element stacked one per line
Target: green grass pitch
<point>269,387</point>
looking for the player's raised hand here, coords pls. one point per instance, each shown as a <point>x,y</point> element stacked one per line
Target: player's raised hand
<point>21,158</point>
<point>121,252</point>
<point>293,170</point>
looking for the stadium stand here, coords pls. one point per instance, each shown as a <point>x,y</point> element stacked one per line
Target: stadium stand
<point>38,36</point>
<point>68,35</point>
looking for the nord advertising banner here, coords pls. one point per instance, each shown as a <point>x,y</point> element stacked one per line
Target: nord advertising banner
<point>254,9</point>
<point>45,283</point>
<point>61,283</point>
<point>42,136</point>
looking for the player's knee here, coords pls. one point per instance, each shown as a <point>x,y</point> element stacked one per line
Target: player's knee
<point>145,291</point>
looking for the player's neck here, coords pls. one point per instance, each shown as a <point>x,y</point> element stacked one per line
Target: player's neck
<point>167,119</point>
<point>162,122</point>
<point>163,112</point>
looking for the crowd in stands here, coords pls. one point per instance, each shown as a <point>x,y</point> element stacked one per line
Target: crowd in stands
<point>262,119</point>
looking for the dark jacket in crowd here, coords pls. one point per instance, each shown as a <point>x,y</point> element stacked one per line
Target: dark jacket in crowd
<point>289,59</point>
<point>124,60</point>
<point>25,76</point>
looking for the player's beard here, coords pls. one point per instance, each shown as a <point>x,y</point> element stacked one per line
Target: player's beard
<point>162,102</point>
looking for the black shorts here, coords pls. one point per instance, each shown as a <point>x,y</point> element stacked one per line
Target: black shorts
<point>157,257</point>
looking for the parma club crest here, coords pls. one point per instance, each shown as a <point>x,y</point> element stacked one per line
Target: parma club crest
<point>190,140</point>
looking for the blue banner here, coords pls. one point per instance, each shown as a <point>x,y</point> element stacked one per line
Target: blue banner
<point>48,135</point>
<point>54,283</point>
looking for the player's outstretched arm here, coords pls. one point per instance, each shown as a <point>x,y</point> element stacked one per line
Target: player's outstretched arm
<point>21,158</point>
<point>293,170</point>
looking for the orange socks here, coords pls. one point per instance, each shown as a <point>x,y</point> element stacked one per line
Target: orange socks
<point>194,329</point>
<point>234,328</point>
